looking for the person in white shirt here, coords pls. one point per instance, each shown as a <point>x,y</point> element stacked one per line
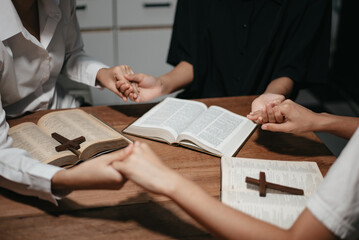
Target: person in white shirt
<point>40,39</point>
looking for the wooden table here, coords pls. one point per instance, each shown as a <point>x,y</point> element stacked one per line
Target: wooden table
<point>132,213</point>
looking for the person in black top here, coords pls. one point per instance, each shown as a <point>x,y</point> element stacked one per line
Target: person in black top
<point>243,47</point>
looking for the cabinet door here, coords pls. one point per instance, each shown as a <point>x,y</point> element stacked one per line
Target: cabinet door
<point>94,14</point>
<point>134,13</point>
<point>100,45</point>
<point>145,50</point>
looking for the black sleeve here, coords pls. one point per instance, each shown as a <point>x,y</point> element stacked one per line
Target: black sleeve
<point>305,47</point>
<point>180,46</point>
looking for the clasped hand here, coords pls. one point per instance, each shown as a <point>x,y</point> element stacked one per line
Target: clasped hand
<point>114,79</point>
<point>136,162</point>
<point>284,116</point>
<point>125,83</point>
<point>97,173</point>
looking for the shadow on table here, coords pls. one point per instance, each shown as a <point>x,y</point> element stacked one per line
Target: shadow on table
<point>133,110</point>
<point>120,219</point>
<point>153,216</point>
<point>290,144</point>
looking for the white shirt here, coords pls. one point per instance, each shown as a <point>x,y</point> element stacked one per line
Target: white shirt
<point>336,202</point>
<point>29,70</point>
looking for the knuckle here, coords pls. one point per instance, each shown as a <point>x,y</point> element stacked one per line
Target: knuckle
<point>287,101</point>
<point>285,107</point>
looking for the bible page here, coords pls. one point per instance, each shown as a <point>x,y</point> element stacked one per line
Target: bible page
<point>75,123</point>
<point>172,115</point>
<point>278,208</point>
<point>219,131</point>
<point>39,145</point>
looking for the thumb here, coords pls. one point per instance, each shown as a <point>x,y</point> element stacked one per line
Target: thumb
<point>257,106</point>
<point>134,77</point>
<point>118,166</point>
<point>122,154</point>
<point>274,127</point>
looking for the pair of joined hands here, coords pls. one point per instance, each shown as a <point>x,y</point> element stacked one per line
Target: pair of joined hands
<point>278,114</point>
<point>126,84</point>
<point>136,162</point>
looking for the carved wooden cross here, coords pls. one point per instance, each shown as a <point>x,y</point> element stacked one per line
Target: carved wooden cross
<point>263,185</point>
<point>66,144</point>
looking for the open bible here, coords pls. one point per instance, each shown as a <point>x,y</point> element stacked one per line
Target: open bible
<point>37,140</point>
<point>278,208</point>
<point>192,124</point>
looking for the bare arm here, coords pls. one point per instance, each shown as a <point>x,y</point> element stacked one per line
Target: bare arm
<point>338,125</point>
<point>145,168</point>
<point>298,119</point>
<point>282,86</point>
<point>177,78</point>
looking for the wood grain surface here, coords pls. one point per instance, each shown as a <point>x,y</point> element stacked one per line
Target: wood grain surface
<point>131,212</point>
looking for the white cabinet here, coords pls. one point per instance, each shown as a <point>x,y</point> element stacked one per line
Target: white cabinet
<point>100,46</point>
<point>96,20</point>
<point>126,32</point>
<point>144,34</point>
<point>144,50</point>
<point>153,13</point>
<point>94,14</point>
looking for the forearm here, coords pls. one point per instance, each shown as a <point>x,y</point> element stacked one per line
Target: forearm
<point>177,78</point>
<point>340,126</point>
<point>62,181</point>
<point>282,86</point>
<point>219,219</point>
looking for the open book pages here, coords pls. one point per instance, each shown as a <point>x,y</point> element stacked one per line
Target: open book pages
<point>278,208</point>
<point>214,130</point>
<point>71,124</point>
<point>38,144</point>
<point>167,119</point>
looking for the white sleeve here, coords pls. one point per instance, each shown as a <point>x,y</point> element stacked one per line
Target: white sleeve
<point>77,65</point>
<point>336,202</point>
<point>19,172</point>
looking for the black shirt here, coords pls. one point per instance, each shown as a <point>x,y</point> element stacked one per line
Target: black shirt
<point>237,47</point>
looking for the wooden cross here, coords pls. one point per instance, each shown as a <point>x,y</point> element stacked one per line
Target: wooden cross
<point>66,144</point>
<point>263,185</point>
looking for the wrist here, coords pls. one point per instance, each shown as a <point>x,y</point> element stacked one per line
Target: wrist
<point>179,188</point>
<point>324,122</point>
<point>99,74</point>
<point>60,181</point>
<point>281,86</point>
<point>173,184</point>
<point>164,86</point>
